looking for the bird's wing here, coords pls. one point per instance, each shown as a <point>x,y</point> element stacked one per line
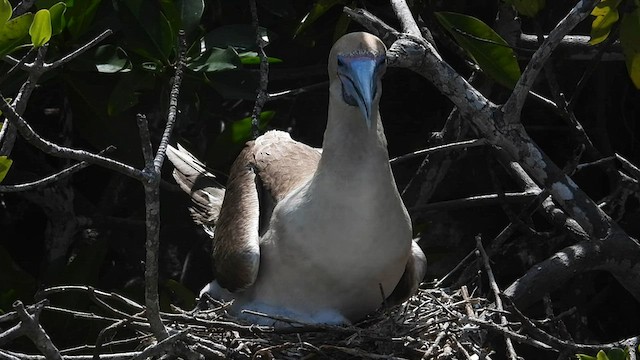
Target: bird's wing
<point>201,185</point>
<point>411,278</point>
<point>264,173</point>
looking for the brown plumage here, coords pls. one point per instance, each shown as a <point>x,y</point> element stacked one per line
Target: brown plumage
<point>307,233</point>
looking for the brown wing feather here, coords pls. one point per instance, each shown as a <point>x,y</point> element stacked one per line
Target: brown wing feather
<point>201,185</point>
<point>275,164</point>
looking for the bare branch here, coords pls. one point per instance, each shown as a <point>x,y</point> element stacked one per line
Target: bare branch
<point>50,148</point>
<point>51,178</point>
<point>496,292</point>
<point>262,95</point>
<point>173,101</point>
<point>409,25</point>
<point>446,147</point>
<point>74,54</point>
<point>36,333</point>
<point>513,106</point>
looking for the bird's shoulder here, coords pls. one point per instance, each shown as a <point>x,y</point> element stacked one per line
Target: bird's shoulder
<point>282,163</point>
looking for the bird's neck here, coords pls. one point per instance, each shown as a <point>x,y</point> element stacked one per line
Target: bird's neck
<point>350,148</point>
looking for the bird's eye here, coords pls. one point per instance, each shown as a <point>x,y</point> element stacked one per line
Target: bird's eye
<point>340,62</point>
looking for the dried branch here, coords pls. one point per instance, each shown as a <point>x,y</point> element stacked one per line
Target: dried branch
<point>51,178</point>
<point>262,96</point>
<point>446,147</point>
<point>418,55</point>
<point>513,107</point>
<point>496,292</point>
<point>32,328</point>
<point>409,25</point>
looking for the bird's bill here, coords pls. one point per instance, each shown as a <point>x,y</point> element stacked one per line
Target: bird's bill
<point>359,82</point>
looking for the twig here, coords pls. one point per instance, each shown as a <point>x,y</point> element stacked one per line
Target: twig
<point>477,200</point>
<point>445,147</point>
<point>496,292</point>
<point>173,102</point>
<point>51,178</point>
<point>74,54</point>
<point>403,13</point>
<point>261,96</point>
<point>507,332</point>
<point>18,64</point>
<point>559,343</point>
<point>88,289</point>
<point>298,91</point>
<point>50,148</point>
<point>161,347</point>
<point>436,342</point>
<point>513,107</point>
<point>35,332</point>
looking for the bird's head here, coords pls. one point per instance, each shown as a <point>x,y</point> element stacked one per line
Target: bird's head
<point>357,63</point>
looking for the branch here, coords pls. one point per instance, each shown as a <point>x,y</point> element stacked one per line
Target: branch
<point>262,95</point>
<point>51,178</point>
<point>35,332</point>
<point>409,25</point>
<point>173,102</point>
<point>420,56</point>
<point>496,292</point>
<point>152,174</point>
<point>74,54</point>
<point>513,107</point>
<point>50,148</point>
<point>446,147</point>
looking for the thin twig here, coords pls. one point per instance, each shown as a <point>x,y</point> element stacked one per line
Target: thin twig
<point>496,291</point>
<point>446,147</point>
<point>262,95</point>
<point>35,332</point>
<point>51,178</point>
<point>50,148</point>
<point>403,13</point>
<point>513,107</point>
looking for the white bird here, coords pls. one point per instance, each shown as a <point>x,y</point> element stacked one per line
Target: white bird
<point>316,235</point>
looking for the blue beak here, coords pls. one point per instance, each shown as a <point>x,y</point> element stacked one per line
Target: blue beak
<point>359,83</point>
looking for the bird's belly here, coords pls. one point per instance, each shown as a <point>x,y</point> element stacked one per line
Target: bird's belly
<point>333,270</point>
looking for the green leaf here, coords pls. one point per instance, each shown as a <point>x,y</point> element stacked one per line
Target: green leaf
<point>80,16</point>
<point>585,357</point>
<point>40,29</point>
<point>57,18</point>
<point>252,58</point>
<point>5,11</point>
<point>606,13</point>
<point>14,32</point>
<point>485,46</point>
<point>232,139</point>
<point>528,8</point>
<point>240,36</point>
<point>111,59</point>
<point>148,29</point>
<point>127,91</point>
<point>190,13</point>
<point>601,356</point>
<point>618,354</point>
<point>630,41</point>
<point>318,9</point>
<point>5,164</point>
<point>215,60</point>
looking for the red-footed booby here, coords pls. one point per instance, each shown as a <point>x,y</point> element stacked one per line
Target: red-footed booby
<point>317,235</point>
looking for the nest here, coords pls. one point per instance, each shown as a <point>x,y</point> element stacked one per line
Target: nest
<point>433,324</point>
<point>430,325</point>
